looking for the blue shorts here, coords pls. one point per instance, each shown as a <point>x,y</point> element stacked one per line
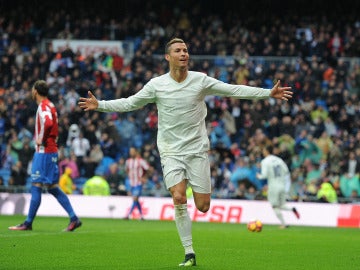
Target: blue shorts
<point>45,168</point>
<point>136,191</point>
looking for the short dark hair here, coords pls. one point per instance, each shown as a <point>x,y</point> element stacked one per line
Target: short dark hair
<point>41,87</point>
<point>171,42</point>
<point>269,148</point>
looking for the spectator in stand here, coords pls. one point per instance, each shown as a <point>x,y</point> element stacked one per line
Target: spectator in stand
<point>108,146</point>
<point>310,150</point>
<point>327,193</point>
<point>65,182</point>
<point>319,115</point>
<point>335,158</point>
<point>330,127</point>
<point>18,175</point>
<point>96,186</point>
<point>351,166</point>
<point>159,189</point>
<point>92,161</point>
<point>354,196</point>
<point>272,128</point>
<point>2,184</point>
<point>15,144</point>
<point>251,193</point>
<point>71,98</point>
<point>7,160</point>
<point>90,133</point>
<point>335,44</point>
<point>26,153</point>
<point>283,152</point>
<point>218,136</point>
<point>227,188</point>
<point>122,174</point>
<point>243,172</point>
<point>261,139</point>
<point>81,148</point>
<point>297,188</point>
<point>302,126</point>
<point>324,143</point>
<point>349,183</point>
<point>241,190</point>
<point>114,179</point>
<point>73,133</point>
<point>257,114</point>
<point>313,172</point>
<point>69,162</point>
<point>128,131</point>
<point>152,121</point>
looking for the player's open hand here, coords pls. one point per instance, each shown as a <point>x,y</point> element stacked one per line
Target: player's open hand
<point>89,103</point>
<point>279,92</point>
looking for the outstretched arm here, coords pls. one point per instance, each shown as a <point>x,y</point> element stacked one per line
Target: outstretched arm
<point>90,103</point>
<point>279,92</point>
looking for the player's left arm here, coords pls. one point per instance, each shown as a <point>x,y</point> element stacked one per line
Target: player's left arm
<point>47,122</point>
<point>145,169</point>
<point>215,87</point>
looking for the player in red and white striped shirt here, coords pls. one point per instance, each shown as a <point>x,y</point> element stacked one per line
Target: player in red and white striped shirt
<point>45,169</point>
<point>136,168</point>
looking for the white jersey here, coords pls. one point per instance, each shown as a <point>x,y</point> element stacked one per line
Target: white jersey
<point>275,170</point>
<point>181,108</point>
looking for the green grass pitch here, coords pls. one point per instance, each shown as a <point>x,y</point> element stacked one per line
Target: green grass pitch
<point>131,244</point>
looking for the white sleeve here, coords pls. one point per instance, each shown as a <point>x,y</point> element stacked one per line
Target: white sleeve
<point>287,183</point>
<point>219,88</point>
<point>144,96</point>
<point>264,170</point>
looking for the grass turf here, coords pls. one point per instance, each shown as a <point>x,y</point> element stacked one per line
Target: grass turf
<point>131,244</point>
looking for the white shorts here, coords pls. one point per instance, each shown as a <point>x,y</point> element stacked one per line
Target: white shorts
<point>195,168</point>
<point>277,197</point>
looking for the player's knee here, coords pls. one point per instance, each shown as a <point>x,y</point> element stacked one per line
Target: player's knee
<point>203,206</point>
<point>202,201</point>
<point>179,198</point>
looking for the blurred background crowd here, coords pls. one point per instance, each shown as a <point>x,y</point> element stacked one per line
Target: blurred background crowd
<point>314,48</point>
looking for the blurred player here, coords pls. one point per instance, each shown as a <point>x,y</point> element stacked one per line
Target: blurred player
<point>45,170</point>
<point>136,168</point>
<point>182,137</point>
<point>275,170</point>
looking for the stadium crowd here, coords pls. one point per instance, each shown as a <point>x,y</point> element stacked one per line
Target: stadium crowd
<point>317,132</point>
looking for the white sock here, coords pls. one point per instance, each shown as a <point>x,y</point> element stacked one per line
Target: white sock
<point>183,225</point>
<point>286,208</point>
<point>279,215</point>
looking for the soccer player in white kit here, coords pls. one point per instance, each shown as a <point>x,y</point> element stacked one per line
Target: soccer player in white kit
<point>277,173</point>
<point>182,138</point>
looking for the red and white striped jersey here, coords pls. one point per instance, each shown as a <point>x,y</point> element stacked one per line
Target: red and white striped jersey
<point>136,168</point>
<point>46,127</point>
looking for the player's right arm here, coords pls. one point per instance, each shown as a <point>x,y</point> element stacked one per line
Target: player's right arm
<point>264,170</point>
<point>89,103</point>
<point>144,96</point>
